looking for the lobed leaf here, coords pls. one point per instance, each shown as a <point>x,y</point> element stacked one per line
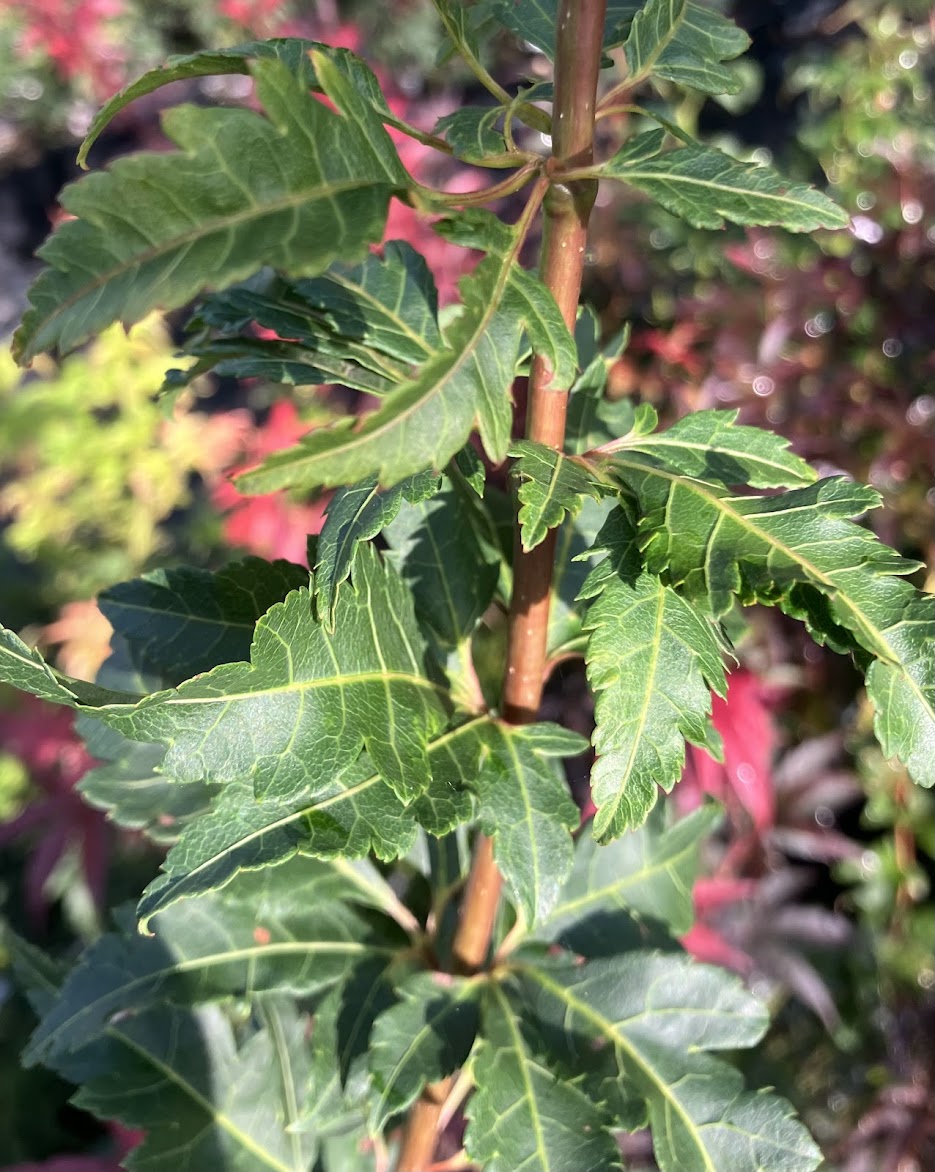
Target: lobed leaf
<point>649,871</point>
<point>802,551</point>
<point>156,229</point>
<point>659,1012</point>
<point>283,928</point>
<point>552,486</point>
<point>521,1115</point>
<point>354,814</point>
<point>705,187</point>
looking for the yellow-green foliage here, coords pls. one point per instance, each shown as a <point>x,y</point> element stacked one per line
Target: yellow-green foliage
<point>91,466</point>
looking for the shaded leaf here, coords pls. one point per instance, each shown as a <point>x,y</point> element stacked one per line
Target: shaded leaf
<point>472,132</point>
<point>705,187</point>
<point>357,513</point>
<point>284,928</point>
<point>685,43</point>
<point>182,621</point>
<point>521,1115</point>
<point>650,871</point>
<point>424,1038</point>
<point>156,229</point>
<point>437,548</point>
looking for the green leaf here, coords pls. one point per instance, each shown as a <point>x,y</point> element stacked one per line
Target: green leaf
<point>534,20</point>
<point>202,1101</point>
<point>593,419</point>
<point>712,446</point>
<point>294,52</point>
<point>551,487</point>
<point>521,1115</point>
<point>575,540</point>
<point>284,928</point>
<point>354,814</point>
<point>156,229</point>
<point>130,788</point>
<point>357,513</point>
<point>526,294</point>
<point>650,872</point>
<point>436,544</point>
<point>301,711</point>
<point>425,420</point>
<point>705,187</point>
<point>472,133</point>
<point>659,1012</point>
<point>801,551</point>
<point>183,621</point>
<point>651,662</point>
<point>684,43</point>
<point>424,1038</point>
<point>524,805</point>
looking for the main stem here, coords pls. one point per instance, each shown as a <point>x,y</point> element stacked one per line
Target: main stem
<point>567,209</point>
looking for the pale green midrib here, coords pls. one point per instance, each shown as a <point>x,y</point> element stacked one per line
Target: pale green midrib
<point>662,441</point>
<point>291,1106</point>
<point>206,228</point>
<point>194,964</point>
<point>647,64</point>
<point>520,1051</point>
<point>641,723</point>
<point>669,177</point>
<point>598,895</point>
<point>466,354</point>
<point>609,1029</point>
<point>217,1117</point>
<point>294,815</point>
<point>722,505</point>
<point>403,326</point>
<point>187,619</point>
<point>520,776</point>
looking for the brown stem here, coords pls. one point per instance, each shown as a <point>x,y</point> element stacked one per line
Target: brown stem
<point>567,208</point>
<point>419,1137</point>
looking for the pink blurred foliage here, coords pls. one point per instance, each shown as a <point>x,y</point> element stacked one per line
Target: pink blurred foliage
<point>270,526</point>
<point>77,37</point>
<point>745,720</point>
<point>42,737</point>
<point>123,1141</point>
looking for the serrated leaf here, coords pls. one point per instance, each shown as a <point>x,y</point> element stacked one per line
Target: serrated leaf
<point>156,229</point>
<point>357,513</point>
<point>284,928</point>
<point>525,806</point>
<point>552,486</point>
<point>526,294</point>
<point>355,814</point>
<point>649,871</point>
<point>294,52</point>
<point>182,621</point>
<point>659,1012</point>
<point>534,20</point>
<point>652,661</point>
<point>705,187</point>
<point>521,1115</point>
<point>426,419</point>
<point>712,446</point>
<point>301,711</point>
<point>179,1076</point>
<point>130,789</point>
<point>472,132</point>
<point>685,43</point>
<point>424,1038</point>
<point>566,614</point>
<point>436,546</point>
<point>791,550</point>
